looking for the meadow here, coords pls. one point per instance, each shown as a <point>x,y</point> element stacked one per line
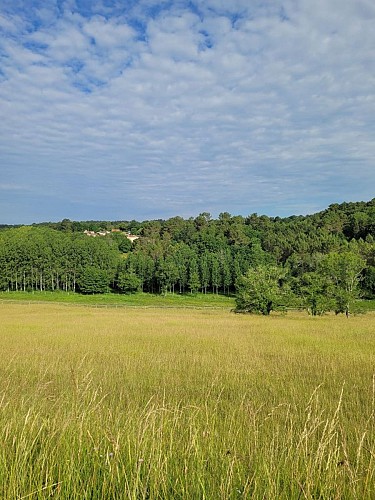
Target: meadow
<point>171,403</point>
<point>197,300</point>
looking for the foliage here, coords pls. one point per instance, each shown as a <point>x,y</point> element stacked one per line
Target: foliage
<point>344,272</point>
<point>369,282</point>
<point>260,290</point>
<point>93,280</point>
<point>200,254</point>
<point>315,290</point>
<point>123,243</point>
<point>128,282</point>
<point>45,259</point>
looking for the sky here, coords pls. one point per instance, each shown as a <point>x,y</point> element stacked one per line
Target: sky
<point>145,109</point>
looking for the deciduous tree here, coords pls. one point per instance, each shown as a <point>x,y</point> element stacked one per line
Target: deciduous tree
<point>260,290</point>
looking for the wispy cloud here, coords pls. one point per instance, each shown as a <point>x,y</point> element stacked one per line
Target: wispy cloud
<point>155,109</point>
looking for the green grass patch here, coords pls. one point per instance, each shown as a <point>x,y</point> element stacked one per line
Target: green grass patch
<point>366,305</point>
<point>147,403</point>
<point>187,300</point>
<point>118,300</point>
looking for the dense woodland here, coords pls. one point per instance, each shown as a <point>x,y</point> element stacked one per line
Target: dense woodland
<point>303,257</point>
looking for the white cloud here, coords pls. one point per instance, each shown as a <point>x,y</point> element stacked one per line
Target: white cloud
<point>225,107</point>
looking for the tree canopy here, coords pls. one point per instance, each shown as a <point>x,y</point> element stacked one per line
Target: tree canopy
<point>326,259</point>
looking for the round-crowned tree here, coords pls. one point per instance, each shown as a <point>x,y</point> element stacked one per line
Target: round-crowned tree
<point>260,290</point>
<point>128,282</point>
<point>93,280</point>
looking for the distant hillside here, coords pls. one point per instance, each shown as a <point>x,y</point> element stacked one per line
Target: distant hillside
<point>180,255</point>
<point>352,219</point>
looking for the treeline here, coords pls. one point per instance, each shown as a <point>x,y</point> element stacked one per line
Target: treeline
<point>45,259</point>
<point>187,255</point>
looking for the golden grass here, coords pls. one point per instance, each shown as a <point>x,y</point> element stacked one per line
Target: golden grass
<point>148,403</point>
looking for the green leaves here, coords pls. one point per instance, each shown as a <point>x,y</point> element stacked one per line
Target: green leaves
<point>315,290</point>
<point>343,270</point>
<point>326,267</point>
<point>260,290</point>
<point>93,280</point>
<point>334,285</point>
<point>128,282</point>
<point>34,258</point>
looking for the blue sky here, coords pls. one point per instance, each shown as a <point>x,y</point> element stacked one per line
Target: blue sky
<point>145,109</point>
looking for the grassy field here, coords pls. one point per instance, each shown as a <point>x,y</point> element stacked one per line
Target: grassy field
<point>148,403</point>
<point>185,301</point>
<point>198,300</point>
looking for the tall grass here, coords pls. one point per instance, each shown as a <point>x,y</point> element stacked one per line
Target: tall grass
<point>159,404</point>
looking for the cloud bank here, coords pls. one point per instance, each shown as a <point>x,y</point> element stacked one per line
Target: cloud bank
<point>167,108</point>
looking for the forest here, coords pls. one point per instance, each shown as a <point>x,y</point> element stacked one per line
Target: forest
<point>323,261</point>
